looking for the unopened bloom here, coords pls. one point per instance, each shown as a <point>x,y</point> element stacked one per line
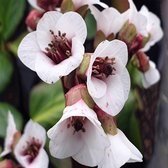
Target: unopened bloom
<point>108,81</point>
<point>151,76</point>
<point>78,134</point>
<point>10,133</point>
<point>108,21</point>
<point>120,151</point>
<point>153,28</point>
<point>56,47</point>
<point>29,150</point>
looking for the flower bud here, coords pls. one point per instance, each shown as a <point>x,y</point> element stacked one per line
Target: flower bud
<point>107,121</point>
<point>6,164</point>
<point>77,93</point>
<point>81,72</point>
<point>128,33</point>
<point>33,18</point>
<point>142,61</point>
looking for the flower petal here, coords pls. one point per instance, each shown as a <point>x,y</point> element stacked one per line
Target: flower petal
<point>35,130</point>
<point>11,130</point>
<point>53,72</point>
<point>73,25</point>
<point>120,152</point>
<point>28,49</point>
<point>93,151</point>
<point>151,77</point>
<point>46,23</point>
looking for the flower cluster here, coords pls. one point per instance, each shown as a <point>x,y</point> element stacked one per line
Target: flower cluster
<point>96,84</point>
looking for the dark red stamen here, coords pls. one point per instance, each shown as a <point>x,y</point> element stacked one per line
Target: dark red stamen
<point>103,67</point>
<point>31,150</point>
<point>60,48</point>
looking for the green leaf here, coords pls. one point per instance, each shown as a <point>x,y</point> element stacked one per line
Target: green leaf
<point>47,103</point>
<point>6,69</point>
<point>4,108</point>
<point>91,25</point>
<point>11,13</point>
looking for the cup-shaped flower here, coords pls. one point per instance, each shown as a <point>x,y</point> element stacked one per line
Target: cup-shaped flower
<point>108,81</point>
<point>29,150</point>
<point>136,18</point>
<point>153,28</point>
<point>78,134</point>
<point>108,21</point>
<point>10,133</point>
<point>80,3</point>
<point>56,47</point>
<point>119,152</point>
<point>151,76</point>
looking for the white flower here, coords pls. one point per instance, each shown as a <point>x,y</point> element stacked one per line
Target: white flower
<point>108,21</point>
<point>29,150</point>
<point>56,48</point>
<point>151,76</point>
<point>80,3</point>
<point>78,134</point>
<point>136,18</point>
<point>120,152</point>
<point>153,28</point>
<point>11,131</point>
<point>108,81</point>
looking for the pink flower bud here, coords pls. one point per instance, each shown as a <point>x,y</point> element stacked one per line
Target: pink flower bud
<point>33,18</point>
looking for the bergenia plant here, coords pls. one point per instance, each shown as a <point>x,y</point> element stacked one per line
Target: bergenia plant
<point>98,68</point>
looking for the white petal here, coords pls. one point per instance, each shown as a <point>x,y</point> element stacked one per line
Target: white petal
<point>120,152</point>
<point>136,156</point>
<point>118,87</point>
<point>113,49</point>
<point>64,142</point>
<point>151,77</point>
<point>35,130</point>
<point>53,72</point>
<point>33,3</point>
<point>46,23</point>
<point>11,130</point>
<point>73,25</point>
<point>28,49</point>
<point>95,143</point>
<point>107,27</point>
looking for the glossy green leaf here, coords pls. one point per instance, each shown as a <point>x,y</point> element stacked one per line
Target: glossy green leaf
<point>6,69</point>
<point>91,25</point>
<point>4,108</point>
<point>47,103</point>
<point>11,13</point>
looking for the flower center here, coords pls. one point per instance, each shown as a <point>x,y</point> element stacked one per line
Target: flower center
<point>49,5</point>
<point>32,149</point>
<point>103,67</point>
<point>60,48</point>
<point>77,123</point>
